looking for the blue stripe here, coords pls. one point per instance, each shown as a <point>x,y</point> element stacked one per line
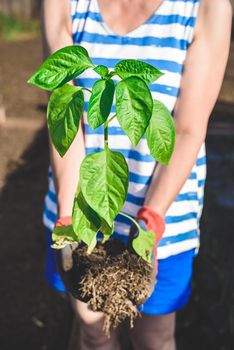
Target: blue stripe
<point>86,106</point>
<point>201,182</point>
<point>178,238</point>
<point>92,15</point>
<point>139,179</point>
<point>189,196</point>
<point>155,19</point>
<point>135,200</point>
<point>145,179</point>
<point>171,42</point>
<point>112,130</point>
<point>130,154</point>
<point>52,195</point>
<point>51,216</point>
<point>166,240</point>
<point>175,219</point>
<point>168,219</point>
<point>165,65</point>
<point>193,176</point>
<point>162,89</point>
<point>201,161</point>
<point>172,19</point>
<point>201,201</point>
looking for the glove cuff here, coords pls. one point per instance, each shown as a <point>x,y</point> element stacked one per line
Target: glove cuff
<point>154,222</point>
<point>64,221</point>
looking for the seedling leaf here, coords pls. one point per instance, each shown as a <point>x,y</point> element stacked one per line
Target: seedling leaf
<point>106,230</point>
<point>160,133</point>
<point>64,112</point>
<point>104,183</point>
<point>61,67</point>
<point>100,102</point>
<point>129,68</point>
<point>134,106</point>
<point>144,244</point>
<point>85,221</point>
<point>101,70</point>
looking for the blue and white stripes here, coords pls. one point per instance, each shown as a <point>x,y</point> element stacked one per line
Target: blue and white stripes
<point>162,41</point>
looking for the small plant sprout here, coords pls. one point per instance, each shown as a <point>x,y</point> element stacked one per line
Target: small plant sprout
<point>104,176</point>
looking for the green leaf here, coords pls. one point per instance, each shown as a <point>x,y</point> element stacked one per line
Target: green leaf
<point>104,183</point>
<point>101,70</point>
<point>100,102</point>
<point>134,106</point>
<point>62,236</point>
<point>160,133</point>
<point>90,214</point>
<point>144,244</point>
<point>129,68</point>
<point>92,245</point>
<point>61,67</point>
<point>85,221</point>
<point>65,109</point>
<point>106,230</point>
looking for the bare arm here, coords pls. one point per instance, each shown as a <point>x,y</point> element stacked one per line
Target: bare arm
<point>201,81</point>
<point>56,33</point>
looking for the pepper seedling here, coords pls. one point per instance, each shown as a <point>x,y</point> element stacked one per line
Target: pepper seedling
<point>104,176</point>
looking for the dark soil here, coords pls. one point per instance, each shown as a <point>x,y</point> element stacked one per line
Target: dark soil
<point>33,316</point>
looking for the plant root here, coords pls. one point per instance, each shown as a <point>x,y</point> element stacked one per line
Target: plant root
<point>115,281</point>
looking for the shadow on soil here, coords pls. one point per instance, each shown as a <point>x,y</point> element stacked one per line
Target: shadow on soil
<point>35,317</point>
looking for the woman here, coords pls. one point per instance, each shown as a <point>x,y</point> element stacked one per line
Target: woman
<point>189,41</point>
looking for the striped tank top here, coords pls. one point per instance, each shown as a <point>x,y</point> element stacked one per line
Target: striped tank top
<point>162,41</point>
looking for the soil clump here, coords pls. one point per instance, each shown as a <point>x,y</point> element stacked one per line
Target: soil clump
<point>112,279</point>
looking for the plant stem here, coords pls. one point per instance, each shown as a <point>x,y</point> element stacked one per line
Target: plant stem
<point>109,120</point>
<point>130,218</point>
<point>106,134</point>
<point>87,90</point>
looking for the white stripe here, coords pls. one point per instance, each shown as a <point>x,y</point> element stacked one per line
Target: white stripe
<point>81,6</point>
<point>131,51</point>
<point>47,222</point>
<point>180,8</point>
<point>176,248</point>
<point>51,185</point>
<point>179,208</point>
<point>51,205</point>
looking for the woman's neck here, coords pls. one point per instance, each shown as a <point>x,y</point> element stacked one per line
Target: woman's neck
<point>123,16</point>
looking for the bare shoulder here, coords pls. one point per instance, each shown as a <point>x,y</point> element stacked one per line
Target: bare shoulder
<point>216,8</point>
<point>214,16</point>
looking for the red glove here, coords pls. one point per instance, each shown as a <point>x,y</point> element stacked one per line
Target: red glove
<point>64,221</point>
<point>155,223</point>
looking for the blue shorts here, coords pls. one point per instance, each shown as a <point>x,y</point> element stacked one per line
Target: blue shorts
<point>171,292</point>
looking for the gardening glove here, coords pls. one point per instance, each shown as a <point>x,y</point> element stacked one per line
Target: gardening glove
<point>148,219</point>
<point>64,255</point>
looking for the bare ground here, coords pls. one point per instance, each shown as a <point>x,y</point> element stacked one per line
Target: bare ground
<point>33,316</point>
